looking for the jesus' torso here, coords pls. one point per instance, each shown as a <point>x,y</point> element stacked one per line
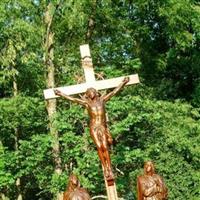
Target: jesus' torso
<point>96,110</point>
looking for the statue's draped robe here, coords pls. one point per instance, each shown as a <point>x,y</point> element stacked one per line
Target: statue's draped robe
<point>148,190</point>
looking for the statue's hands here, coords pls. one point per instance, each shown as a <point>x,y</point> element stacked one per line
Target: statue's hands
<point>126,79</point>
<point>57,92</point>
<point>159,189</point>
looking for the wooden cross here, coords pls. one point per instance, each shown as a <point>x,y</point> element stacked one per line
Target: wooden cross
<point>98,85</point>
<point>89,78</point>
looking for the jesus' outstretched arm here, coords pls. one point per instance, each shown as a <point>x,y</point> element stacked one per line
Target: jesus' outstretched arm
<point>70,98</point>
<point>116,90</point>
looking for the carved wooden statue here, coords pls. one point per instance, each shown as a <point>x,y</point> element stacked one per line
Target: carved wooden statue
<point>94,102</point>
<point>74,191</point>
<point>150,186</point>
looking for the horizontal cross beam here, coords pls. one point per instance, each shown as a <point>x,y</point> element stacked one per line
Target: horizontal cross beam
<point>98,85</point>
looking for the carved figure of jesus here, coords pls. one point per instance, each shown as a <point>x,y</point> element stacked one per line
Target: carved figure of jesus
<point>94,102</point>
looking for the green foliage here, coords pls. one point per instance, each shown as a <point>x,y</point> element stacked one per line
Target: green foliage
<point>167,133</point>
<point>26,113</point>
<point>21,48</point>
<point>157,120</point>
<point>36,162</point>
<point>6,177</point>
<point>167,38</point>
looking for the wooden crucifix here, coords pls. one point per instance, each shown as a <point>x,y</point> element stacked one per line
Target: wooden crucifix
<point>89,79</point>
<point>94,102</point>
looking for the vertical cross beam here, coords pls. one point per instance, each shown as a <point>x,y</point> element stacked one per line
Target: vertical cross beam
<point>87,64</point>
<point>110,189</point>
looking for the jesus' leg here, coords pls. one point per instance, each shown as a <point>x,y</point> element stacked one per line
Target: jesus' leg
<point>109,173</point>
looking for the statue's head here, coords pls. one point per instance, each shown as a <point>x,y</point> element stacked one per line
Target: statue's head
<point>91,93</point>
<point>74,191</point>
<point>73,182</point>
<point>149,168</point>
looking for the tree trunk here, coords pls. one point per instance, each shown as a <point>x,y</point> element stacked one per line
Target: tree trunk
<point>50,82</point>
<point>18,181</point>
<point>91,22</point>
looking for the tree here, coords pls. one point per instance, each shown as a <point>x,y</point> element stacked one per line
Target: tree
<point>154,120</point>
